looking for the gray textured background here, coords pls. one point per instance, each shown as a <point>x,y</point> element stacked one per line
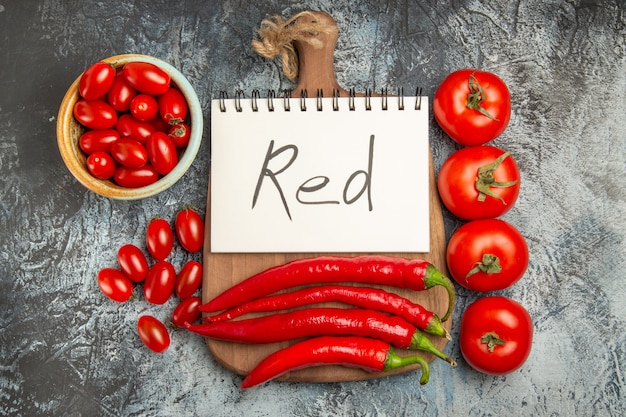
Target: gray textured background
<point>66,350</point>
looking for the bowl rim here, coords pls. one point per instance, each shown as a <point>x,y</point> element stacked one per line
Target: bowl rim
<point>74,158</point>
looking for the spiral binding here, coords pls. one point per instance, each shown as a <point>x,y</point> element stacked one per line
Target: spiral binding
<point>255,98</point>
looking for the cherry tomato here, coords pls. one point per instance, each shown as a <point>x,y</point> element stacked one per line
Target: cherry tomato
<point>187,311</point>
<point>159,238</point>
<point>95,114</point>
<point>115,285</point>
<point>101,165</point>
<point>160,125</point>
<point>479,182</point>
<point>190,230</point>
<point>144,107</point>
<point>153,333</point>
<point>472,107</point>
<point>133,262</point>
<point>189,279</point>
<point>161,152</point>
<point>129,152</point>
<point>159,283</point>
<point>135,177</point>
<point>496,335</point>
<point>146,77</point>
<point>127,125</point>
<point>487,255</point>
<point>173,106</point>
<point>120,94</point>
<point>97,140</point>
<point>96,81</point>
<point>180,134</point>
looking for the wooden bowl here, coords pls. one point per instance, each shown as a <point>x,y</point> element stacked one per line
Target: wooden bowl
<point>69,132</point>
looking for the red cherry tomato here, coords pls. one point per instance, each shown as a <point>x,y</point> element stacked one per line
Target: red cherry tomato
<point>135,177</point>
<point>189,279</point>
<point>153,333</point>
<point>146,77</point>
<point>180,134</point>
<point>133,262</point>
<point>496,335</point>
<point>129,152</point>
<point>160,125</point>
<point>96,81</point>
<point>159,283</point>
<point>159,238</point>
<point>190,230</point>
<point>144,107</point>
<point>472,107</point>
<point>101,165</point>
<point>161,152</point>
<point>115,285</point>
<point>487,255</point>
<point>95,114</point>
<point>173,106</point>
<point>120,94</point>
<point>97,140</point>
<point>479,182</point>
<point>128,126</point>
<point>187,311</point>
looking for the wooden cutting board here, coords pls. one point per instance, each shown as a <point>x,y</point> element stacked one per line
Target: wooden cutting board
<point>222,270</point>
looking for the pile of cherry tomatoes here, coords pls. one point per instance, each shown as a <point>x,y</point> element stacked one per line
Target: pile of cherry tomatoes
<point>136,122</point>
<point>480,183</point>
<point>160,280</point>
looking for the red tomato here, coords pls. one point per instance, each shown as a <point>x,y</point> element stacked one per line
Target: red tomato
<point>161,152</point>
<point>135,177</point>
<point>479,182</point>
<point>472,107</point>
<point>120,94</point>
<point>95,114</point>
<point>115,285</point>
<point>101,165</point>
<point>160,125</point>
<point>146,77</point>
<point>97,140</point>
<point>180,134</point>
<point>159,238</point>
<point>496,335</point>
<point>144,107</point>
<point>173,106</point>
<point>153,333</point>
<point>129,152</point>
<point>187,311</point>
<point>487,255</point>
<point>159,283</point>
<point>96,81</point>
<point>189,279</point>
<point>133,262</point>
<point>127,125</point>
<point>190,230</point>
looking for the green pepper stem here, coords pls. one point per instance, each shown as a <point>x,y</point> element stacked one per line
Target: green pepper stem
<point>420,342</point>
<point>435,277</point>
<point>395,361</point>
<point>435,327</point>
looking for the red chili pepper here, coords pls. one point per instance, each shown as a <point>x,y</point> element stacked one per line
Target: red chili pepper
<point>369,354</point>
<point>364,297</point>
<point>412,274</point>
<point>318,322</point>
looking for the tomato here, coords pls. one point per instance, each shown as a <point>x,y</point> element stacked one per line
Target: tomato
<point>96,81</point>
<point>146,77</point>
<point>159,283</point>
<point>187,311</point>
<point>161,152</point>
<point>101,165</point>
<point>189,279</point>
<point>135,177</point>
<point>97,140</point>
<point>133,262</point>
<point>95,114</point>
<point>496,335</point>
<point>144,107</point>
<point>159,238</point>
<point>173,106</point>
<point>190,230</point>
<point>115,285</point>
<point>120,94</point>
<point>472,107</point>
<point>160,125</point>
<point>487,255</point>
<point>479,182</point>
<point>153,333</point>
<point>127,125</point>
<point>129,152</point>
<point>180,134</point>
